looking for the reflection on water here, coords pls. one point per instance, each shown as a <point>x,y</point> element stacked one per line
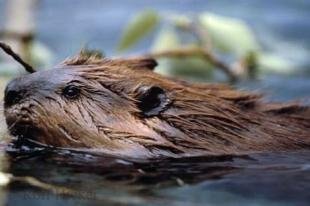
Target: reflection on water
<point>92,179</point>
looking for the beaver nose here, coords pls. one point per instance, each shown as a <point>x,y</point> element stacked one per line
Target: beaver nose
<point>13,94</point>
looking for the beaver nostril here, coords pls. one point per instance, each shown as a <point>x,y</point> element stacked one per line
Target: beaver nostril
<point>12,97</point>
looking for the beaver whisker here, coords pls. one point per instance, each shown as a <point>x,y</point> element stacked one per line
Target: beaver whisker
<point>14,123</point>
<point>64,131</point>
<point>37,143</point>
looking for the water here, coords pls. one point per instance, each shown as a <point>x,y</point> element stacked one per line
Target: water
<point>282,26</point>
<point>258,179</point>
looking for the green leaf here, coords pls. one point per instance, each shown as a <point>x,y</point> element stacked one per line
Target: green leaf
<point>229,34</point>
<point>166,39</point>
<point>273,63</point>
<point>140,26</point>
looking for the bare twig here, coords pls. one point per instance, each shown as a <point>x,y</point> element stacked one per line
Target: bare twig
<point>205,48</point>
<point>7,49</point>
<point>196,51</point>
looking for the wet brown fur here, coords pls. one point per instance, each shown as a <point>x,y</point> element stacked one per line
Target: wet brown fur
<point>200,119</point>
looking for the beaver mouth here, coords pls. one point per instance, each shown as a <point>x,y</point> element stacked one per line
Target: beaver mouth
<point>24,140</point>
<point>20,122</point>
<point>25,136</point>
<point>24,129</point>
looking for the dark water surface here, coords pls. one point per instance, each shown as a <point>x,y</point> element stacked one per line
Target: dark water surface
<point>258,179</point>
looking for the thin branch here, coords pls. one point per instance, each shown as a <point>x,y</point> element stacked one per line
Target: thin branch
<point>205,50</point>
<point>7,49</point>
<point>199,52</point>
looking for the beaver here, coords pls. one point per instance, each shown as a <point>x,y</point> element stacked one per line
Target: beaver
<point>122,107</point>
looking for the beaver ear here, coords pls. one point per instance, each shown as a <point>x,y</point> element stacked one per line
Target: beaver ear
<point>152,100</point>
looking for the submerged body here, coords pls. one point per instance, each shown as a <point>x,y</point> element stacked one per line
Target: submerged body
<point>121,107</point>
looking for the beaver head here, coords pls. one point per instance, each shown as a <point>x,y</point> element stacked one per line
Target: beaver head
<point>122,107</point>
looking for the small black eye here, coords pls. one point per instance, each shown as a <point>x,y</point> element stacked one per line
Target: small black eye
<point>71,92</point>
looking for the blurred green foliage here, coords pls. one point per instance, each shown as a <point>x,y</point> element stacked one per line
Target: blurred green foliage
<point>229,35</point>
<point>141,25</point>
<point>230,39</point>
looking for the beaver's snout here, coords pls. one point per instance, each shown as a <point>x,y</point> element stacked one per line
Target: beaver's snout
<point>14,93</point>
<point>17,111</point>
